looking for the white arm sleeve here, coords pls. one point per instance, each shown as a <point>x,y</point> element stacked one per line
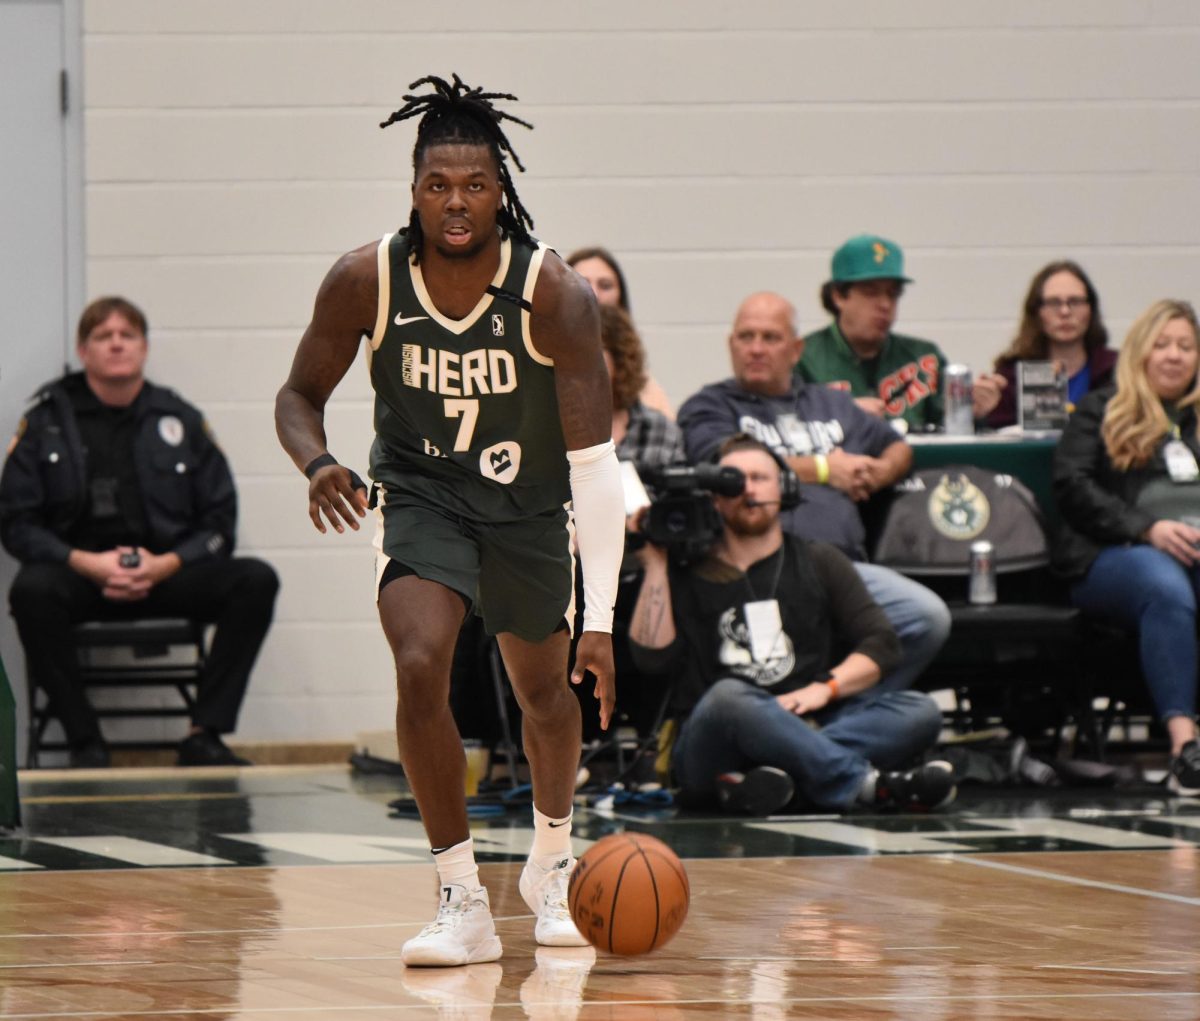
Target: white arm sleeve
<point>599,505</point>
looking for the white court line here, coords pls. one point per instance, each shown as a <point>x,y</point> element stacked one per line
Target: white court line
<point>1022,870</point>
<point>224,1012</point>
<point>923,948</point>
<point>362,957</point>
<point>802,957</point>
<point>1115,971</point>
<point>73,964</point>
<point>172,933</point>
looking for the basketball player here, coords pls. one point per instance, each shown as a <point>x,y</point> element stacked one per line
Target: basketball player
<point>493,420</point>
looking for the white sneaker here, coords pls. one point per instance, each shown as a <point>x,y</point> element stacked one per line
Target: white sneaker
<point>544,887</point>
<point>462,933</point>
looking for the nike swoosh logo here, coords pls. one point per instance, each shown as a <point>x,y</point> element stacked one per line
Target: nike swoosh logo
<point>556,825</point>
<point>401,321</point>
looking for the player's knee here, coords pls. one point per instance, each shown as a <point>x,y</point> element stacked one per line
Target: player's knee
<point>544,700</point>
<point>422,675</point>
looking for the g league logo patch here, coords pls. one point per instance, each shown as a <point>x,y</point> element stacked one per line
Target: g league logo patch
<point>501,462</point>
<point>497,325</point>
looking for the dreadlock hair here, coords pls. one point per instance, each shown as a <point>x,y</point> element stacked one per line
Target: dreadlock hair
<point>456,113</point>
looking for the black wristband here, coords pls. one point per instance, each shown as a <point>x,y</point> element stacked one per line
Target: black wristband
<point>319,462</point>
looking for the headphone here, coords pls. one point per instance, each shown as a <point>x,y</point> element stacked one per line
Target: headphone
<point>790,496</point>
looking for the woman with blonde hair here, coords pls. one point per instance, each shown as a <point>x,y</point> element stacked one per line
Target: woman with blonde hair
<point>1127,483</point>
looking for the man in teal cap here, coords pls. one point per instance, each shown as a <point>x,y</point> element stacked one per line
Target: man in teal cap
<point>889,375</point>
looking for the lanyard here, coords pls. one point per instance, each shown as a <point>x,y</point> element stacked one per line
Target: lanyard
<point>754,596</point>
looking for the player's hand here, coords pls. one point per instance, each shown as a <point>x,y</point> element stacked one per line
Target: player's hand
<point>986,394</point>
<point>594,653</point>
<point>1175,538</point>
<point>808,699</point>
<point>337,493</point>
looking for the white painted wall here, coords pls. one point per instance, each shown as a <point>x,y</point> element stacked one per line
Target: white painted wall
<point>232,155</point>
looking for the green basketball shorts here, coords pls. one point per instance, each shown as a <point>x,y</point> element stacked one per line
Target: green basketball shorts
<point>519,575</point>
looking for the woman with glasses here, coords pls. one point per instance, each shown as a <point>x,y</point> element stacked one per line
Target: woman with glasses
<point>1127,485</point>
<point>1061,323</point>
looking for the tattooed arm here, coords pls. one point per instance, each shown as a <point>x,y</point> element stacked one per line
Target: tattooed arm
<point>653,623</point>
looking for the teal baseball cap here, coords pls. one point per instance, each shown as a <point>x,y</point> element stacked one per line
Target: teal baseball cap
<point>868,257</point>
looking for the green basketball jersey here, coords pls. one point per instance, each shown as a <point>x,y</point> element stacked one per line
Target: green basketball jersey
<point>466,413</point>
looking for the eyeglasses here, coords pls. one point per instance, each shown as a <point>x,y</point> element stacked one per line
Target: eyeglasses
<point>1065,304</point>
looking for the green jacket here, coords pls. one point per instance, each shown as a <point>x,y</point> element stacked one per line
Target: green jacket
<point>906,376</point>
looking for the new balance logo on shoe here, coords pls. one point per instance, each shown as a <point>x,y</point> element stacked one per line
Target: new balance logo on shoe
<point>543,887</point>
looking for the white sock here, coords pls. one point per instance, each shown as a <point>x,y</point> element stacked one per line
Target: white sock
<point>550,836</point>
<point>456,865</point>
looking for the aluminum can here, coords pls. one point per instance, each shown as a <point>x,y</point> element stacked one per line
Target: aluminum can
<point>958,388</point>
<point>982,588</point>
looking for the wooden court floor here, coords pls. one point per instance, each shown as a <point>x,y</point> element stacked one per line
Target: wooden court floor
<point>930,935</point>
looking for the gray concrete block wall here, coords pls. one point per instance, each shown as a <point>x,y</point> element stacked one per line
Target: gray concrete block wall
<point>232,155</point>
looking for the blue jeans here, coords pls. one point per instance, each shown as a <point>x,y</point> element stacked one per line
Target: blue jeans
<point>1152,593</point>
<point>918,615</point>
<point>736,726</point>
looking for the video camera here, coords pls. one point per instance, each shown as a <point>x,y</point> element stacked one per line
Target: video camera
<point>682,518</point>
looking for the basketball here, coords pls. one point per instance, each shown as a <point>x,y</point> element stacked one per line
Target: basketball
<point>628,894</point>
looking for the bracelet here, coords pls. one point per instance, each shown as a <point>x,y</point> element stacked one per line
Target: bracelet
<point>821,463</point>
<point>319,462</point>
<point>833,689</point>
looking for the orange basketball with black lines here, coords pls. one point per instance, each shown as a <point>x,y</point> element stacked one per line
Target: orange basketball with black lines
<point>629,894</point>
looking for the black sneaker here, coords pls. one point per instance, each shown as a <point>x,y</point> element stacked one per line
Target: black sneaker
<point>919,790</point>
<point>1184,775</point>
<point>207,749</point>
<point>761,791</point>
<point>91,754</point>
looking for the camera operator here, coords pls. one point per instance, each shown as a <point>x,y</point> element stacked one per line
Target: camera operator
<point>775,647</point>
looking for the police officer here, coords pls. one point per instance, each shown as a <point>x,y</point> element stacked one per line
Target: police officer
<point>119,505</point>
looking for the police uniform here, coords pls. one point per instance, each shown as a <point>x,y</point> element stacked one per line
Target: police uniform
<point>162,484</point>
<point>469,457</point>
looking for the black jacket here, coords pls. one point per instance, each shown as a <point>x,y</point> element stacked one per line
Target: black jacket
<point>187,489</point>
<point>1097,504</point>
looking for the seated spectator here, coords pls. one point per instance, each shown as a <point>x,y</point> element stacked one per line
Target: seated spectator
<point>1061,323</point>
<point>119,506</point>
<point>841,454</point>
<point>600,269</point>
<point>776,650</point>
<point>1126,483</point>
<point>889,375</point>
<point>642,435</point>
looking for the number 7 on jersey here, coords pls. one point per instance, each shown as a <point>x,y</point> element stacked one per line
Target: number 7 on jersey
<point>468,409</point>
